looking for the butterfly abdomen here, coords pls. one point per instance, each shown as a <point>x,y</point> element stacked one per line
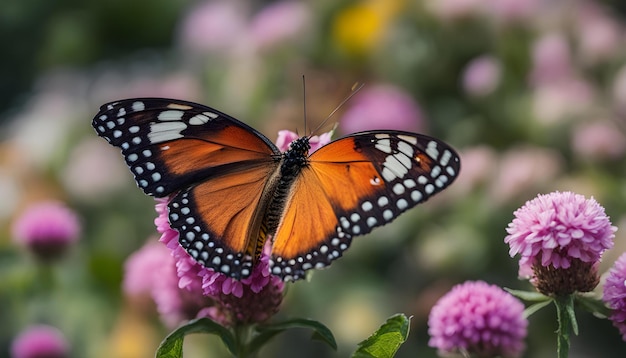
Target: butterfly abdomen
<point>292,163</point>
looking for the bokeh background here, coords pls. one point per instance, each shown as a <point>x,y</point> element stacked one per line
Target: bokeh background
<point>532,93</point>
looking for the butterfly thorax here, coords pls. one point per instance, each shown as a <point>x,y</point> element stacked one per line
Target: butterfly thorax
<point>295,158</point>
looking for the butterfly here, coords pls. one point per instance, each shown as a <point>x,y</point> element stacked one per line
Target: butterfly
<point>230,189</point>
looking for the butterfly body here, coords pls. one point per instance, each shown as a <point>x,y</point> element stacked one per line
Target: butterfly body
<point>230,188</point>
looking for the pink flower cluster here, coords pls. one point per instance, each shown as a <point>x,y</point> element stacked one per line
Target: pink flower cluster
<point>40,341</point>
<point>556,228</point>
<point>47,229</point>
<point>615,294</point>
<point>479,318</point>
<point>232,300</point>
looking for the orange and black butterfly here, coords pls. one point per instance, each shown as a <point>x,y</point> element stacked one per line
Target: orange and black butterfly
<point>231,188</point>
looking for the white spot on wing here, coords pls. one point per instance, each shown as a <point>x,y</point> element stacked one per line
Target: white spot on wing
<point>384,145</point>
<point>405,148</point>
<point>138,106</point>
<point>406,161</point>
<point>445,158</point>
<point>388,175</point>
<point>409,183</point>
<point>172,115</point>
<point>371,221</point>
<point>408,139</point>
<point>402,204</point>
<point>165,131</point>
<point>432,150</point>
<point>395,166</point>
<point>199,119</point>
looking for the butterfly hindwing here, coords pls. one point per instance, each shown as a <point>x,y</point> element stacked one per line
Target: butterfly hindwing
<point>170,144</point>
<point>353,185</point>
<point>219,218</point>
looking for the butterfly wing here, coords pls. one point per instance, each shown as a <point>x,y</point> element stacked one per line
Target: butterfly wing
<point>170,144</point>
<point>353,185</point>
<point>213,166</point>
<point>219,220</point>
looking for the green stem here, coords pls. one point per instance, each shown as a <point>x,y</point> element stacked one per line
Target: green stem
<point>564,314</point>
<point>242,337</point>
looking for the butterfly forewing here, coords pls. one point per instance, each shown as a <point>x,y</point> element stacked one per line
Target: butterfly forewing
<point>170,144</point>
<point>357,183</point>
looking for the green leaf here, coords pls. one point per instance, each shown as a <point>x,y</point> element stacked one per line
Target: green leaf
<point>266,332</point>
<point>569,308</point>
<point>384,343</point>
<point>528,295</point>
<point>172,345</point>
<point>536,307</point>
<point>594,305</point>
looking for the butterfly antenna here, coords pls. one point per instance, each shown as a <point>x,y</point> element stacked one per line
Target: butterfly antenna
<point>355,89</point>
<point>304,101</point>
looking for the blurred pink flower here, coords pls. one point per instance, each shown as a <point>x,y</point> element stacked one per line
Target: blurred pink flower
<point>479,318</point>
<point>551,59</point>
<point>559,100</point>
<point>94,171</point>
<point>524,169</point>
<point>188,271</point>
<point>144,267</point>
<point>212,26</point>
<point>250,300</point>
<point>512,11</point>
<point>382,107</point>
<point>479,164</point>
<point>614,294</point>
<point>40,341</point>
<point>599,35</point>
<point>47,229</point>
<point>285,137</point>
<point>598,140</point>
<point>279,22</point>
<point>254,299</point>
<point>152,270</point>
<point>482,75</point>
